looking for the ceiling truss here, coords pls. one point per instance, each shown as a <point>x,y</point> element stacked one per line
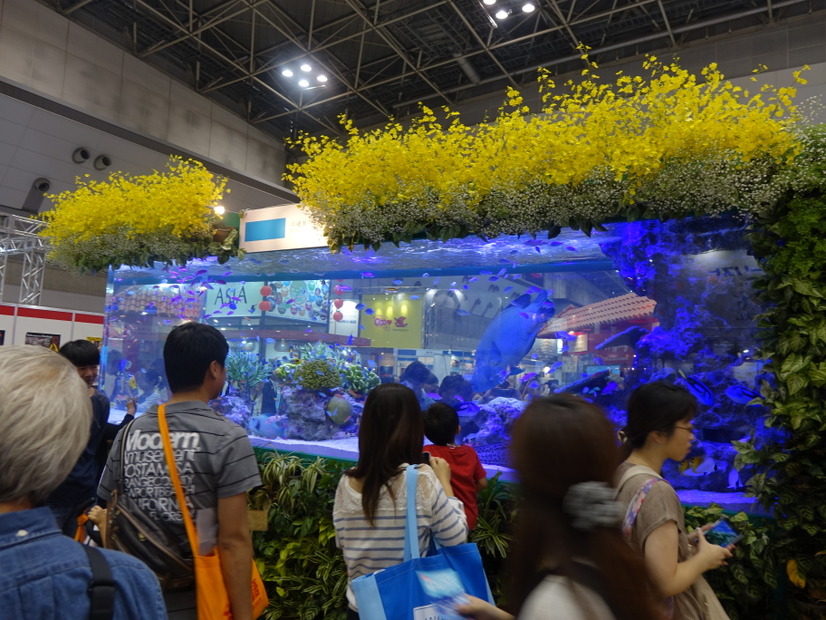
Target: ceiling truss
<point>382,57</point>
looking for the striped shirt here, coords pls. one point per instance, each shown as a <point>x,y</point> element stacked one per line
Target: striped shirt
<point>368,548</point>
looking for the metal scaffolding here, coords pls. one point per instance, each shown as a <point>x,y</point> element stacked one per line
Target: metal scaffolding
<point>18,237</point>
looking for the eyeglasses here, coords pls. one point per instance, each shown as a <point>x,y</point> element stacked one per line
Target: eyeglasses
<point>690,429</point>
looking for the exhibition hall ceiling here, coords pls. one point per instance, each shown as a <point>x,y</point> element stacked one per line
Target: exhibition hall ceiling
<point>373,59</point>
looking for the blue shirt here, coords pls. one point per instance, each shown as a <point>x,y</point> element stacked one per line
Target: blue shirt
<point>45,575</point>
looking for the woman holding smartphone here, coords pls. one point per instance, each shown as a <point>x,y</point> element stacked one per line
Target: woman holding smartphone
<point>660,427</point>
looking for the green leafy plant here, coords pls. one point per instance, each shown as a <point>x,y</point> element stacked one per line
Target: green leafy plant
<point>492,533</point>
<point>746,586</point>
<point>304,570</point>
<point>790,242</point>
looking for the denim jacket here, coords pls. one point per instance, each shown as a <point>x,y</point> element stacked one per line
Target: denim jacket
<point>45,575</point>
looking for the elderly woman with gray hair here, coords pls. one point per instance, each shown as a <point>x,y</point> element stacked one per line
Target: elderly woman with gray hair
<point>45,419</point>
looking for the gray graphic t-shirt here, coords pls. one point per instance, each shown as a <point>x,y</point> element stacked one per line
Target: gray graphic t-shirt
<point>214,459</point>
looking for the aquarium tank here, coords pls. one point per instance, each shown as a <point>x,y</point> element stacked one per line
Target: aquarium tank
<point>495,323</point>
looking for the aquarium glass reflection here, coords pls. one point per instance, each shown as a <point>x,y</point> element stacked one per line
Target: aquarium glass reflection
<point>487,324</point>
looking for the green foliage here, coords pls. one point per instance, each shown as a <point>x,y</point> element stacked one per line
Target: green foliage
<point>317,375</point>
<point>492,533</point>
<point>304,570</point>
<point>790,242</point>
<point>746,586</point>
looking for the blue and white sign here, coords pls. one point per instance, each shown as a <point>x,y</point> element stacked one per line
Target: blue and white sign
<point>279,228</point>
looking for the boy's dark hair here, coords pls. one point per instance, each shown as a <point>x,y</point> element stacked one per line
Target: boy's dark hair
<point>81,353</point>
<point>187,353</point>
<point>440,423</point>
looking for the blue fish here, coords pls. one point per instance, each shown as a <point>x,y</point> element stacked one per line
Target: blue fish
<point>741,394</point>
<point>508,338</point>
<point>699,389</point>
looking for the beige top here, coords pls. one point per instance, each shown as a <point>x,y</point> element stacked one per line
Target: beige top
<point>660,506</point>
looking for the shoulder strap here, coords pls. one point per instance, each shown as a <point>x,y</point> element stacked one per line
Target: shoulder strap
<point>635,470</point>
<point>411,529</point>
<point>101,588</point>
<point>637,501</point>
<point>163,427</point>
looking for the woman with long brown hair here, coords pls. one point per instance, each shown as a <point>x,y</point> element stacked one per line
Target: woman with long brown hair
<point>568,559</point>
<point>371,499</point>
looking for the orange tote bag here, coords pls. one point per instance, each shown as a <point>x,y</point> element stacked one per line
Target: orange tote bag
<point>211,592</point>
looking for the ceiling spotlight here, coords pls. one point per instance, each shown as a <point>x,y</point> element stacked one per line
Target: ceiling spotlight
<point>489,2</point>
<point>306,68</point>
<point>502,14</point>
<point>287,73</point>
<point>321,78</point>
<point>303,83</point>
<point>219,209</point>
<point>528,7</point>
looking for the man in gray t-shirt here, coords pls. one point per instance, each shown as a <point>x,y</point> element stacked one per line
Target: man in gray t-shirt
<point>214,457</point>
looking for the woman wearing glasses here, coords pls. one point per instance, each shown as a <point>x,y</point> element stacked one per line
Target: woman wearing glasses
<point>660,427</point>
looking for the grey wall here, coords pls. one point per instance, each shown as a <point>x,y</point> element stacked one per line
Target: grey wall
<point>50,55</point>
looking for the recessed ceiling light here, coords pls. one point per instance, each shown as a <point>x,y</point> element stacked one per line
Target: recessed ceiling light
<point>528,7</point>
<point>321,78</point>
<point>306,68</point>
<point>303,83</point>
<point>287,73</point>
<point>502,14</point>
<point>489,2</point>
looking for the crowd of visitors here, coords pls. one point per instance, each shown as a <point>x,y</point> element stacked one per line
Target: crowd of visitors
<point>598,535</point>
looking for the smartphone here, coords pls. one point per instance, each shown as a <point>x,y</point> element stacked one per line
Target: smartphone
<point>721,533</point>
<point>425,458</point>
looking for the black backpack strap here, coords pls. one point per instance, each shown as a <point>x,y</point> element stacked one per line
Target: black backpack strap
<point>101,588</point>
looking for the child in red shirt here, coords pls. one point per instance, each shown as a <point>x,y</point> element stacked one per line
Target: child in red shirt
<point>441,425</point>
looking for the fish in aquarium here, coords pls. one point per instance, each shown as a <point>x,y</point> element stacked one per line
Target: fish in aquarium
<point>698,389</point>
<point>740,394</point>
<point>509,338</point>
<point>598,379</point>
<point>697,466</point>
<point>628,337</point>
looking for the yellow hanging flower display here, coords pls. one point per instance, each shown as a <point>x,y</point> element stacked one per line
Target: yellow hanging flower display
<point>136,220</point>
<point>666,145</point>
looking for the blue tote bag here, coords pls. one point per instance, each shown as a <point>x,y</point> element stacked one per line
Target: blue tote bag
<point>396,593</point>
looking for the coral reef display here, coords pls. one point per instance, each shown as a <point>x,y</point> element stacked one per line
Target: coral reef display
<point>505,320</point>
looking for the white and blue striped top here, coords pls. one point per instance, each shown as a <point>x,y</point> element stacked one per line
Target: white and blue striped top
<point>368,548</point>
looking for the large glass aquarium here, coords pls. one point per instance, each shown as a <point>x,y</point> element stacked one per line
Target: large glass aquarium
<point>494,323</point>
